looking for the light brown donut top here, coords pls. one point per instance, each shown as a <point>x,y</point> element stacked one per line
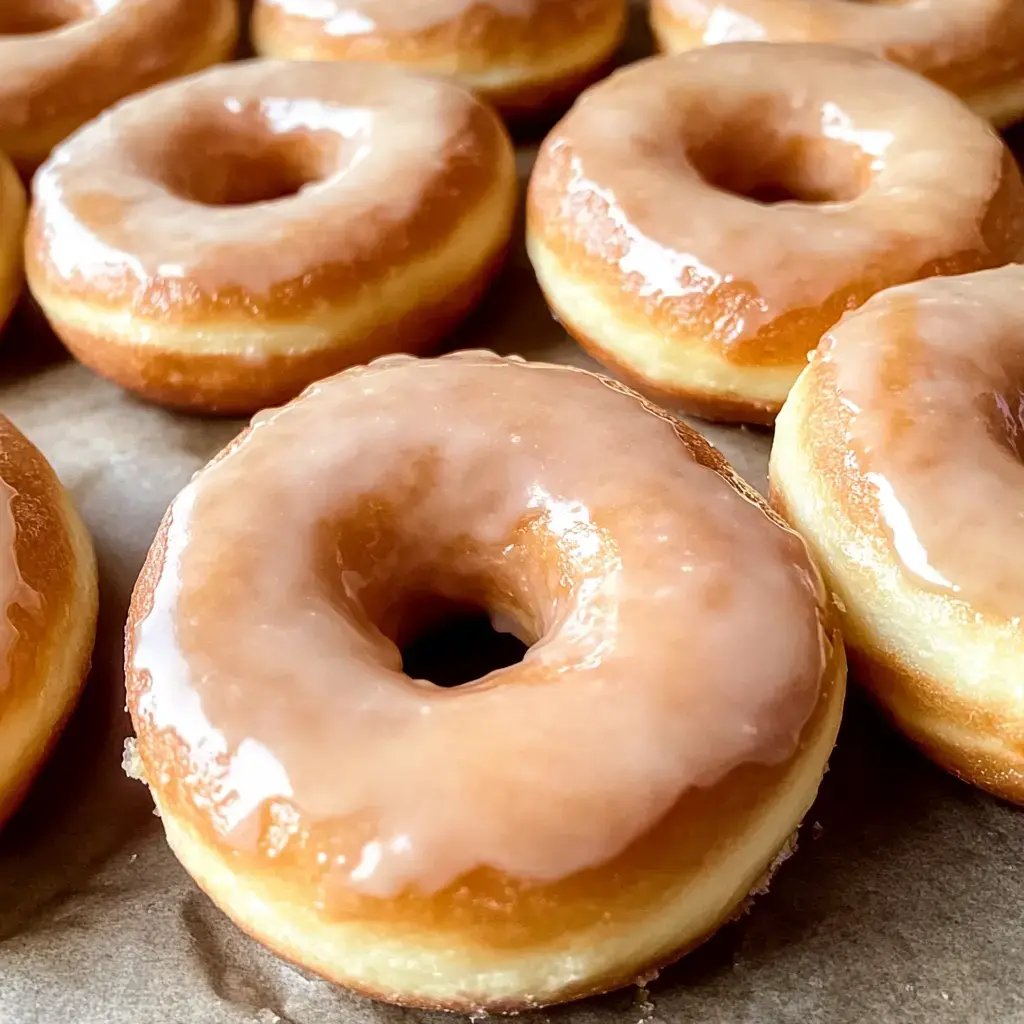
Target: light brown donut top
<point>963,45</point>
<point>677,627</point>
<point>928,378</point>
<point>667,174</point>
<point>37,568</point>
<point>252,185</point>
<point>14,591</point>
<point>350,18</point>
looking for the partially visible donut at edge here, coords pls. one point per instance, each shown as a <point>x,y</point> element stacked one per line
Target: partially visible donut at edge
<point>974,49</point>
<point>898,456</point>
<point>699,221</point>
<point>12,230</point>
<point>64,63</point>
<point>48,608</point>
<point>526,57</point>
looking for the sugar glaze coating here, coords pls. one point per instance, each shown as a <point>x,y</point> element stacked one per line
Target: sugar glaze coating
<point>732,202</point>
<point>126,205</point>
<point>930,380</point>
<point>48,606</point>
<point>556,828</point>
<point>973,49</point>
<point>524,56</point>
<point>220,242</point>
<point>65,62</point>
<point>898,456</point>
<point>453,477</point>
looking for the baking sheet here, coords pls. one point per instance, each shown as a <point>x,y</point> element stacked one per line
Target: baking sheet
<point>905,901</point>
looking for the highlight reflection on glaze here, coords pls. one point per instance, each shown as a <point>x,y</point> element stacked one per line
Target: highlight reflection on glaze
<point>931,378</point>
<point>655,172</point>
<point>345,155</point>
<point>62,66</point>
<point>293,566</point>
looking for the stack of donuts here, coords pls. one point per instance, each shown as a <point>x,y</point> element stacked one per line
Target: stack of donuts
<point>799,214</point>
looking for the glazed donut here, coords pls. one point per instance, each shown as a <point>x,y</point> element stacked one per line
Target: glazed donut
<point>12,230</point>
<point>218,243</point>
<point>700,221</point>
<point>64,61</point>
<point>525,56</point>
<point>898,456</point>
<point>974,49</point>
<point>48,587</point>
<point>555,828</point>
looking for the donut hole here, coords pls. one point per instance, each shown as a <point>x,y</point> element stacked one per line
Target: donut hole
<point>756,163</point>
<point>243,160</point>
<point>237,178</point>
<point>450,643</point>
<point>31,17</point>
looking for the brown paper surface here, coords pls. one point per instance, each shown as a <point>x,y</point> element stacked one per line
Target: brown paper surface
<point>905,901</point>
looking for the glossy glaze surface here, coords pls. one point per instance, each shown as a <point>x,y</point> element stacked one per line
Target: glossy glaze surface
<point>264,672</point>
<point>525,56</point>
<point>931,381</point>
<point>42,612</point>
<point>341,18</point>
<point>734,188</point>
<point>964,45</point>
<point>261,185</point>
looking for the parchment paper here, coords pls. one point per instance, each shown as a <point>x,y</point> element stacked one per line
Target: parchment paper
<point>905,901</point>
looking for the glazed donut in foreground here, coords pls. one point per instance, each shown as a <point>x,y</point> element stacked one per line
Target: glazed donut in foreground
<point>974,49</point>
<point>525,56</point>
<point>12,232</point>
<point>218,243</point>
<point>64,61</point>
<point>899,456</point>
<point>700,221</point>
<point>552,829</point>
<point>49,594</point>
